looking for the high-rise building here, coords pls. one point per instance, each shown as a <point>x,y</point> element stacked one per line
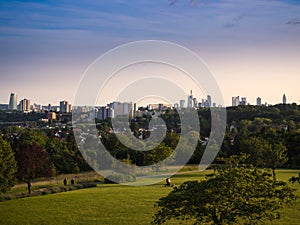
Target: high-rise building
<point>244,101</point>
<point>258,101</point>
<point>181,103</point>
<point>190,100</point>
<point>235,101</point>
<point>24,105</point>
<point>284,99</point>
<point>209,100</point>
<point>126,108</point>
<point>195,103</point>
<point>104,112</point>
<point>13,101</point>
<point>64,106</point>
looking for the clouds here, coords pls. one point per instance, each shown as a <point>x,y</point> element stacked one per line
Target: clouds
<point>66,31</point>
<point>295,21</point>
<point>142,19</point>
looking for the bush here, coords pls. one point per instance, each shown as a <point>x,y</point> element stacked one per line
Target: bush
<point>49,190</point>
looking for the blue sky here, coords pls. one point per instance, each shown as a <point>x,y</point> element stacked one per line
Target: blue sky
<point>252,47</point>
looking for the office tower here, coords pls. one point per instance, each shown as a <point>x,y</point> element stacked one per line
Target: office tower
<point>126,108</point>
<point>258,101</point>
<point>12,102</point>
<point>24,105</point>
<point>104,112</point>
<point>134,110</point>
<point>195,103</point>
<point>181,104</point>
<point>284,99</point>
<point>235,101</point>
<point>208,101</point>
<point>244,101</point>
<point>190,100</point>
<point>64,106</point>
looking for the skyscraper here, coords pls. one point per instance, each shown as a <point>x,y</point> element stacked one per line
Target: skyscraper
<point>284,99</point>
<point>209,100</point>
<point>190,100</point>
<point>258,101</point>
<point>181,103</point>
<point>235,101</point>
<point>244,101</point>
<point>12,102</point>
<point>64,107</point>
<point>24,105</point>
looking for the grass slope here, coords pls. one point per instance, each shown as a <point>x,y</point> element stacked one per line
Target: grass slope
<point>108,204</point>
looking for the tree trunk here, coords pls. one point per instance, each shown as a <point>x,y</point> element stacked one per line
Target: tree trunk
<point>215,218</point>
<point>274,174</point>
<point>29,186</point>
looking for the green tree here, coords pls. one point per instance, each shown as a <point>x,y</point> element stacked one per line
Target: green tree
<point>256,147</point>
<point>157,155</point>
<point>8,166</point>
<point>275,157</point>
<point>234,195</point>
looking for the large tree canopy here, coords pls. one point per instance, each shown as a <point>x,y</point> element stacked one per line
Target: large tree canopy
<point>8,166</point>
<point>33,162</point>
<point>235,195</point>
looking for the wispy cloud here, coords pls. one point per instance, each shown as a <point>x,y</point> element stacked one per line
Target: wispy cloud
<point>295,21</point>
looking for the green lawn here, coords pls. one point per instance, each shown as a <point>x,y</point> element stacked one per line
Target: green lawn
<point>108,204</point>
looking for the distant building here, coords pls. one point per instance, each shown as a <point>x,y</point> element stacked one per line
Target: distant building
<point>159,107</point>
<point>24,105</point>
<point>244,101</point>
<point>176,106</point>
<point>182,104</point>
<point>51,116</point>
<point>190,100</point>
<point>235,101</point>
<point>104,112</point>
<point>284,99</point>
<point>125,108</point>
<point>209,101</point>
<point>195,103</point>
<point>64,107</point>
<point>3,106</point>
<point>12,105</point>
<point>35,107</point>
<point>258,101</point>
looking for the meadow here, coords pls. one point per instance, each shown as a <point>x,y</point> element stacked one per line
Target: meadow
<point>111,204</point>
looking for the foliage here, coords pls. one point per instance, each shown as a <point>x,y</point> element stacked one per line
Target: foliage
<point>8,166</point>
<point>33,162</point>
<point>112,204</point>
<point>158,154</point>
<point>235,195</point>
<point>275,157</point>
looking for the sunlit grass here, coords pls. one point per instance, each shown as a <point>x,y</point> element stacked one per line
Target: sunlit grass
<point>110,204</point>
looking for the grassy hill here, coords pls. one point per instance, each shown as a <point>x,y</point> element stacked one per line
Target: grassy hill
<point>109,204</point>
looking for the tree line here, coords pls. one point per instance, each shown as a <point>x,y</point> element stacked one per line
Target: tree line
<point>270,135</point>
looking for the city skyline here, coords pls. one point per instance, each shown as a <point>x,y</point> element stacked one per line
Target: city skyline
<point>252,48</point>
<point>191,101</point>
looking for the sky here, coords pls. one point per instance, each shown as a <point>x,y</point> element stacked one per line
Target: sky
<point>251,47</point>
